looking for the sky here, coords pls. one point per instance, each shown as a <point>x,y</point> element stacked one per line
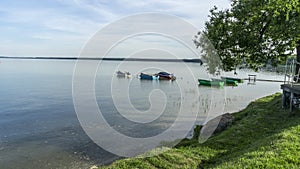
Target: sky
<point>63,27</point>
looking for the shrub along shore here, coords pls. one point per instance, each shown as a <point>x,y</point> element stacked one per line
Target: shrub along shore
<point>263,135</point>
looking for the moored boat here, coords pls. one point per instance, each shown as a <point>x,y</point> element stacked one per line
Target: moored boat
<point>239,80</point>
<point>205,82</point>
<point>157,76</point>
<point>165,76</point>
<point>145,76</point>
<point>122,74</point>
<point>227,82</point>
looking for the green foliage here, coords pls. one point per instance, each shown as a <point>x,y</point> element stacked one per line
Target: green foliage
<point>262,136</point>
<point>252,32</point>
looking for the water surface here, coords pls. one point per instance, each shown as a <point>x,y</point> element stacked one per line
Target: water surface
<point>38,123</point>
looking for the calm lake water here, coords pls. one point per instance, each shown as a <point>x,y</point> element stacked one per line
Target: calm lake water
<point>39,127</point>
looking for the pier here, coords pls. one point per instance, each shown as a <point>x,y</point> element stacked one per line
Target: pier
<point>290,95</point>
<point>291,86</point>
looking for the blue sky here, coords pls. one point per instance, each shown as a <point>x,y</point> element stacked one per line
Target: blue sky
<point>62,27</point>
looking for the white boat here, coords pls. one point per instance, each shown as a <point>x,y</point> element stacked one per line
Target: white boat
<point>123,74</point>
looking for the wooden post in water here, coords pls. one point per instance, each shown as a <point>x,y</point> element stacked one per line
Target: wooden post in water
<point>251,78</point>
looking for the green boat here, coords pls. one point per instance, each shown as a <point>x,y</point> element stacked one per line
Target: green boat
<point>228,82</point>
<point>210,83</point>
<point>233,79</point>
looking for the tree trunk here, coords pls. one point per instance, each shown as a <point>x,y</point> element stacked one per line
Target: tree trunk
<point>298,51</point>
<point>298,58</point>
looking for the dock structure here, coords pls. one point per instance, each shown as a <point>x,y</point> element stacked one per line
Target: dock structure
<point>251,79</point>
<point>291,86</point>
<point>290,96</point>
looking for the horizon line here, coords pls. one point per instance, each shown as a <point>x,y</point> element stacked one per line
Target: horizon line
<point>104,59</point>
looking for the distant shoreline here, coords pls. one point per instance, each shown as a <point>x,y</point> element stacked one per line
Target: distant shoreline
<point>105,59</point>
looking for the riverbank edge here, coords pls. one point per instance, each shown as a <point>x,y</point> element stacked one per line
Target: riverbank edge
<point>261,135</point>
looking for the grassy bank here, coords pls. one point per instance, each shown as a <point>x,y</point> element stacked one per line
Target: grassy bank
<point>262,136</point>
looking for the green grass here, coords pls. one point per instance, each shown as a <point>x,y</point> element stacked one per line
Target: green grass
<point>262,136</point>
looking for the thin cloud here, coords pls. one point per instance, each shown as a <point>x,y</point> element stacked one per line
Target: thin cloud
<point>74,22</point>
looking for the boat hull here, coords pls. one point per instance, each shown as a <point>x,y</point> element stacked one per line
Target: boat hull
<point>233,79</point>
<point>157,76</point>
<point>166,76</point>
<point>227,82</point>
<point>144,76</point>
<point>210,83</point>
<point>122,74</point>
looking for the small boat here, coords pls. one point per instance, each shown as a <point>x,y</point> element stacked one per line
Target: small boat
<point>210,83</point>
<point>227,82</point>
<point>165,76</point>
<point>145,76</point>
<point>122,74</point>
<point>233,79</point>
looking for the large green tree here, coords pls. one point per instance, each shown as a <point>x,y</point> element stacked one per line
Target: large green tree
<point>251,32</point>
